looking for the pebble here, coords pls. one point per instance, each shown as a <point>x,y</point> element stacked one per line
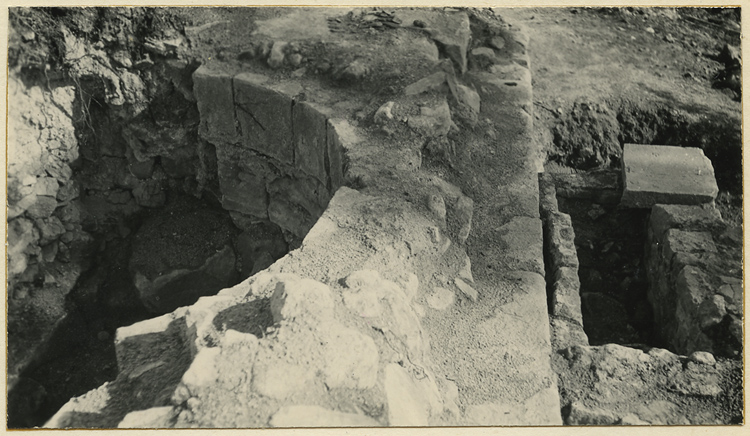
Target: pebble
<point>466,289</point>
<point>28,36</point>
<point>295,60</point>
<point>650,30</point>
<point>276,58</point>
<point>383,114</point>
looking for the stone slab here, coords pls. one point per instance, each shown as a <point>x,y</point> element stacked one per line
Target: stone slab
<point>265,117</point>
<point>654,174</point>
<point>310,141</point>
<point>213,90</point>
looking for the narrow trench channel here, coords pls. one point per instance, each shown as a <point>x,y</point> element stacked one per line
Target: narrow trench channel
<point>610,247</point>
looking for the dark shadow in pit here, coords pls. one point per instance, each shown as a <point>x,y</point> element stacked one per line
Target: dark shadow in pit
<point>610,244</point>
<point>253,317</point>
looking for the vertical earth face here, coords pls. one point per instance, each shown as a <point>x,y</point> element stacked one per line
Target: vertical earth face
<point>159,156</point>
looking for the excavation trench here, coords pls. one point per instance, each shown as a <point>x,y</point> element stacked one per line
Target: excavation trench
<point>610,245</point>
<point>168,217</point>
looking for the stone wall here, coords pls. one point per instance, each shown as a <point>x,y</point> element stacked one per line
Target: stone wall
<point>279,159</point>
<point>344,348</point>
<point>694,266</point>
<point>45,237</point>
<point>561,263</point>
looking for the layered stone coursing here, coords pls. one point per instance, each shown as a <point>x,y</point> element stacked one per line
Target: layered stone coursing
<point>45,237</point>
<point>694,267</point>
<point>278,159</point>
<point>564,286</point>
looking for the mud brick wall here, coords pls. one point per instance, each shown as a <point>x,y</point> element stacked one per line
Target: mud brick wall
<point>694,263</point>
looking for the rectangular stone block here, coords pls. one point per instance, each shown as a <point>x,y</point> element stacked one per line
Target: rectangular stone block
<point>242,178</point>
<point>296,204</point>
<point>665,174</point>
<point>310,140</point>
<point>668,216</point>
<point>341,137</point>
<point>213,91</point>
<point>566,297</point>
<point>265,118</point>
<point>521,245</point>
<point>603,187</point>
<point>561,241</point>
<point>680,241</point>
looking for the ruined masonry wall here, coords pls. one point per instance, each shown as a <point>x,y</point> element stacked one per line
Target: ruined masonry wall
<point>278,159</point>
<point>344,348</point>
<point>566,319</point>
<point>694,266</point>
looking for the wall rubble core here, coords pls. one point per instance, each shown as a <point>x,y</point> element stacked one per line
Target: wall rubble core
<point>695,272</point>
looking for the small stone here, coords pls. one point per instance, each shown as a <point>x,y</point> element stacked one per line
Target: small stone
<point>703,358</point>
<point>419,23</point>
<point>28,36</point>
<point>650,30</point>
<point>156,417</point>
<point>295,59</point>
<point>440,299</point>
<point>466,289</point>
<point>465,271</point>
<point>43,207</point>
<point>383,114</point>
<point>49,252</point>
<point>122,58</point>
<point>497,42</point>
<point>436,205</point>
<point>276,57</point>
<point>669,38</point>
<point>354,71</point>
<point>582,415</point>
<point>193,403</point>
<point>632,419</point>
<point>432,82</point>
<point>46,186</point>
<point>484,52</point>
<point>712,311</point>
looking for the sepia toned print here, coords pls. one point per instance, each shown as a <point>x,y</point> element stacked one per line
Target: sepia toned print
<point>252,217</point>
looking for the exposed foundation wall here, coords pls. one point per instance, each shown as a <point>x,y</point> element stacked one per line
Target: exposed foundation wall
<point>561,263</point>
<point>694,265</point>
<point>279,159</point>
<point>299,349</point>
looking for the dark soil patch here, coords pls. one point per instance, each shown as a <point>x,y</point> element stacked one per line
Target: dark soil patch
<point>181,235</point>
